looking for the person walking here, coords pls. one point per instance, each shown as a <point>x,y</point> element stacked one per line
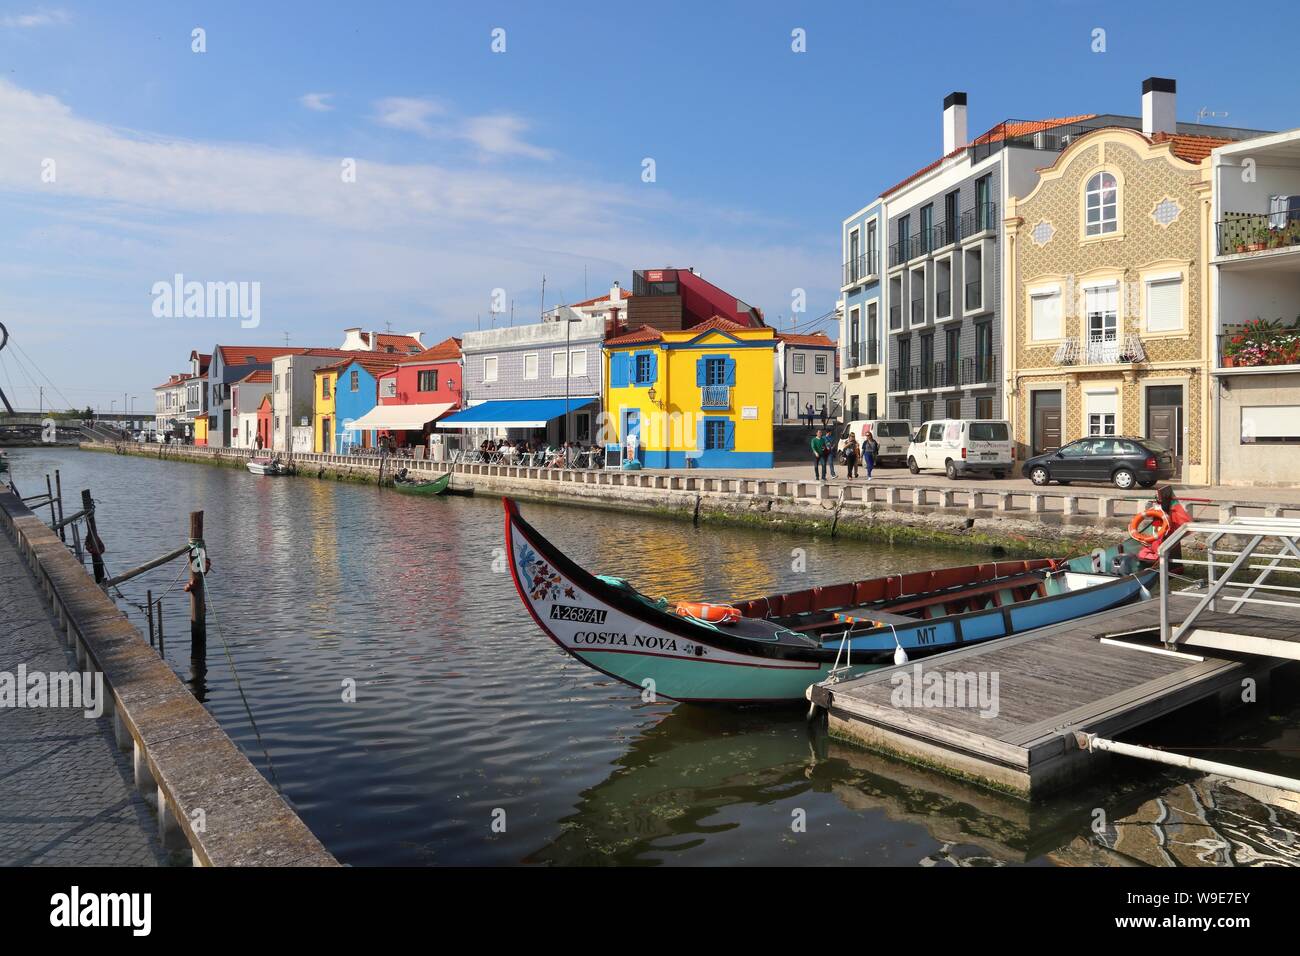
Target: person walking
<point>819,467</point>
<point>826,421</point>
<point>870,449</point>
<point>831,447</point>
<point>809,412</point>
<point>851,457</point>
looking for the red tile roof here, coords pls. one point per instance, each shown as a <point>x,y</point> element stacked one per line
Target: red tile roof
<point>717,324</point>
<point>260,375</point>
<point>818,339</point>
<point>1192,148</point>
<point>645,333</point>
<point>445,351</point>
<point>260,354</point>
<point>996,134</point>
<point>374,363</point>
<point>176,379</point>
<point>400,343</point>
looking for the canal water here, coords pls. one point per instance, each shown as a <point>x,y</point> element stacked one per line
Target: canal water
<point>466,716</point>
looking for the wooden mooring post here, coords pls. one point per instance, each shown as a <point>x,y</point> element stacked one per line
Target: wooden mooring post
<point>58,492</point>
<point>93,542</point>
<point>198,606</point>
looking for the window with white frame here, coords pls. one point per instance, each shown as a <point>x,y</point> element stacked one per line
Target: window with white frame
<point>1101,205</point>
<point>1164,303</point>
<point>1102,409</point>
<point>819,364</point>
<point>1045,313</point>
<point>530,365</point>
<point>490,368</point>
<point>1101,304</point>
<point>558,367</point>
<point>578,362</point>
<point>798,363</point>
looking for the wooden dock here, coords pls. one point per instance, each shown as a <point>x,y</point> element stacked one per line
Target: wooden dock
<point>1050,684</point>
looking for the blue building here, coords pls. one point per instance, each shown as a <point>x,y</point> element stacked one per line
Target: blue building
<point>862,346</point>
<point>356,392</point>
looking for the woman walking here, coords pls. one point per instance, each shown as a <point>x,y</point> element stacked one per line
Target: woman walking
<point>851,456</point>
<point>870,448</point>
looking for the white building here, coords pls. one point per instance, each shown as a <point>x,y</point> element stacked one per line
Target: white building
<point>1255,275</point>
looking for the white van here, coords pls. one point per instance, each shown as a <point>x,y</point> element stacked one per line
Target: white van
<point>892,435</point>
<point>963,447</point>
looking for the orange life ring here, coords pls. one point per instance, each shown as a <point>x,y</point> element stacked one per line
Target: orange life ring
<point>1159,526</point>
<point>712,613</point>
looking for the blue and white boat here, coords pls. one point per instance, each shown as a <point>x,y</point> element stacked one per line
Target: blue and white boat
<point>770,649</point>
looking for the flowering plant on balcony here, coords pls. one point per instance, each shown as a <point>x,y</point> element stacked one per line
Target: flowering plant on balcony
<point>1262,342</point>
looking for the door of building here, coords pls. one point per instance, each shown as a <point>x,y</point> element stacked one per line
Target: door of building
<point>1165,420</point>
<point>1046,422</point>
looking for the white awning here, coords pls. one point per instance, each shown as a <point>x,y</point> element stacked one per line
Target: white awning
<point>398,417</point>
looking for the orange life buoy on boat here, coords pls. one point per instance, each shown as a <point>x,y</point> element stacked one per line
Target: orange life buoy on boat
<point>1159,526</point>
<point>712,613</point>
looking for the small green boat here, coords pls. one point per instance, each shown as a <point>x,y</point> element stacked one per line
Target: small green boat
<point>419,486</point>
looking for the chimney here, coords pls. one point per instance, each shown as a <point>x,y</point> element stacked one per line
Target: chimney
<point>1158,102</point>
<point>954,121</point>
<point>615,294</point>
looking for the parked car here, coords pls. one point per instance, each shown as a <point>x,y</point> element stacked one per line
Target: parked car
<point>962,446</point>
<point>1121,460</point>
<point>892,435</point>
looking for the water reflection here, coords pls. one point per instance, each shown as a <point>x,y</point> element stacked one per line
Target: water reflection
<point>465,708</point>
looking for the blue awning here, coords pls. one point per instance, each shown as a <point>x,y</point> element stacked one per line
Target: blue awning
<point>514,413</point>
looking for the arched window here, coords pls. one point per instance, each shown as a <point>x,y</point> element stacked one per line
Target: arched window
<point>1101,205</point>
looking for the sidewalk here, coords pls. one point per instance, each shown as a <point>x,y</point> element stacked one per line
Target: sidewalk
<point>66,791</point>
<point>902,477</point>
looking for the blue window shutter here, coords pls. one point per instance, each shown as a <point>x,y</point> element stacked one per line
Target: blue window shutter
<point>618,370</point>
<point>700,364</point>
<point>730,443</point>
<point>634,376</point>
<point>654,368</point>
<point>729,364</point>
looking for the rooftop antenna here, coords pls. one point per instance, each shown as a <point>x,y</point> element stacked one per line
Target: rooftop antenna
<point>543,293</point>
<point>1205,112</point>
<point>286,339</point>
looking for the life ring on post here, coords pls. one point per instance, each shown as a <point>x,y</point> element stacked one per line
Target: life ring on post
<point>710,613</point>
<point>1159,526</point>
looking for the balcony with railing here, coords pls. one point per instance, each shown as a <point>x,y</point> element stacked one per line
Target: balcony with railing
<point>979,218</point>
<point>862,353</point>
<point>1243,232</point>
<point>979,370</point>
<point>715,396</point>
<point>945,375</point>
<point>1100,349</point>
<point>1260,343</point>
<point>859,268</point>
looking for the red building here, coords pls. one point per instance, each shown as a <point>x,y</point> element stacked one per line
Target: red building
<point>417,392</point>
<point>264,422</point>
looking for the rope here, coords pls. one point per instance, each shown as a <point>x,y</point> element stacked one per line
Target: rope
<point>238,684</point>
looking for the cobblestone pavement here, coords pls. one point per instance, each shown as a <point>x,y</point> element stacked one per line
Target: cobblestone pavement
<point>67,797</point>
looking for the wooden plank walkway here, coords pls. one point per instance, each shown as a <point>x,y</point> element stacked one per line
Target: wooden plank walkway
<point>1043,686</point>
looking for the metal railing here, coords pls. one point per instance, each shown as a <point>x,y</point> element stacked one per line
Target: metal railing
<point>715,396</point>
<point>859,267</point>
<point>895,316</point>
<point>918,311</point>
<point>979,218</point>
<point>978,370</point>
<point>1100,350</point>
<point>1222,590</point>
<point>943,303</point>
<point>1241,232</point>
<point>974,294</point>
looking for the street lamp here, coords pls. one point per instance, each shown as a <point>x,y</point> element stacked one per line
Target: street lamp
<point>568,361</point>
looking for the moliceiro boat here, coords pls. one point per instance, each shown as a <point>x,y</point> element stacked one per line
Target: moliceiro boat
<point>771,649</point>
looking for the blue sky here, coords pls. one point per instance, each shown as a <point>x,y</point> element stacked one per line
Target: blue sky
<point>479,170</point>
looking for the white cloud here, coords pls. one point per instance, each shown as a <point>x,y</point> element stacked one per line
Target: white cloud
<point>407,113</point>
<point>316,102</point>
<point>499,136</point>
<point>41,18</point>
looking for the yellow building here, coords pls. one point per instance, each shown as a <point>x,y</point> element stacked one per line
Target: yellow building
<point>702,395</point>
<point>1105,288</point>
<point>324,425</point>
<point>200,429</point>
